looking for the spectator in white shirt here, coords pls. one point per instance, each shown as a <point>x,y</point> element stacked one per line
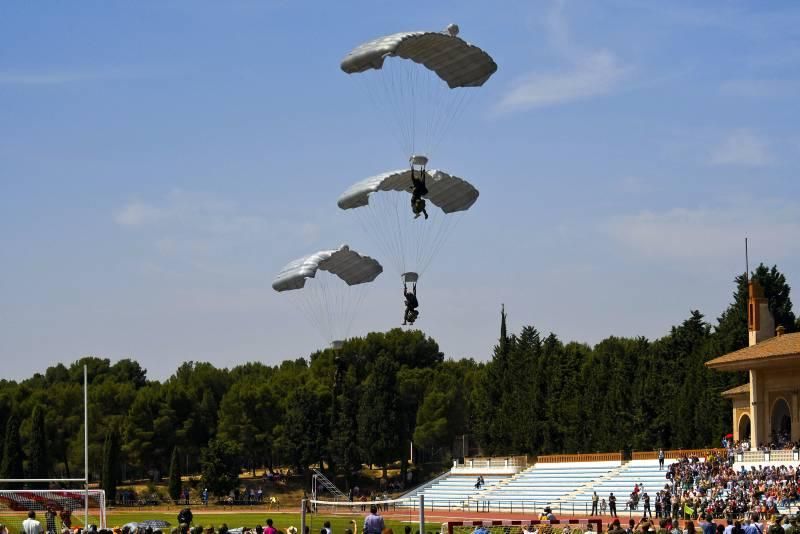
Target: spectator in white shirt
<point>729,526</point>
<point>31,525</point>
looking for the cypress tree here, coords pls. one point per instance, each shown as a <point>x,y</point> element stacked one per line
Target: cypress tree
<point>174,486</point>
<point>37,462</point>
<point>503,333</point>
<point>12,452</point>
<point>110,474</point>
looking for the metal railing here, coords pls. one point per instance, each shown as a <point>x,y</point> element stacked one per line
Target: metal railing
<point>490,462</point>
<point>320,479</point>
<point>534,506</point>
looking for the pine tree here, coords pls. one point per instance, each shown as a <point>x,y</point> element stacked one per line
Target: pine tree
<point>503,333</point>
<point>377,415</point>
<point>12,452</point>
<point>38,461</point>
<point>344,427</point>
<point>110,473</point>
<point>174,487</point>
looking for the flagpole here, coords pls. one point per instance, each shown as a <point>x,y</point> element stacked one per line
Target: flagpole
<point>86,447</point>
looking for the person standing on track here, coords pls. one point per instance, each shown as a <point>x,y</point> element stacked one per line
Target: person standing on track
<point>373,523</point>
<point>646,499</point>
<point>612,505</point>
<point>595,500</point>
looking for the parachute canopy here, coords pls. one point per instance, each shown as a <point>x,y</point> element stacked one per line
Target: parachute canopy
<point>347,264</point>
<point>425,87</point>
<point>457,62</point>
<point>329,302</point>
<point>382,205</point>
<point>448,192</point>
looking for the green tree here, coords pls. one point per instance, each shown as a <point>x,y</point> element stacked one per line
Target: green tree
<point>377,415</point>
<point>248,414</point>
<point>12,452</point>
<point>149,431</point>
<point>731,330</point>
<point>174,485</point>
<point>220,463</point>
<point>344,427</point>
<point>110,472</point>
<point>307,424</point>
<point>38,461</point>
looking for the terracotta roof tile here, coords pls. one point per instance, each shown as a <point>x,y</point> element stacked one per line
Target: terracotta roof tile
<point>785,345</point>
<point>744,388</point>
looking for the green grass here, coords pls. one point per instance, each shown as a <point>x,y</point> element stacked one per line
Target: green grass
<point>281,520</point>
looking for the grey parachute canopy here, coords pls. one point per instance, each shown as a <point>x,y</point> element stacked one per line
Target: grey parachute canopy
<point>457,62</point>
<point>449,193</point>
<point>330,301</point>
<point>382,206</point>
<point>419,94</point>
<point>349,265</point>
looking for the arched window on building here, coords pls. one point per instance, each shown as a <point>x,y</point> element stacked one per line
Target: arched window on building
<point>744,428</point>
<point>781,422</point>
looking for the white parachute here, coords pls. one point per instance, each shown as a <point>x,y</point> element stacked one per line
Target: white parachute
<point>425,84</point>
<point>382,205</point>
<point>329,299</point>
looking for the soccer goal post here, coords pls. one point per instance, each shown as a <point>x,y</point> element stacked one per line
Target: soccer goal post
<point>54,509</point>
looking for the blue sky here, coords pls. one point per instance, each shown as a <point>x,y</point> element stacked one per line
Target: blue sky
<point>161,161</point>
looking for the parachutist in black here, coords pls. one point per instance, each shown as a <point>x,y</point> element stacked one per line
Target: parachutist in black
<point>411,304</point>
<point>418,190</point>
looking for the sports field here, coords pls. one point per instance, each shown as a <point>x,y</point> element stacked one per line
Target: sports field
<point>233,519</point>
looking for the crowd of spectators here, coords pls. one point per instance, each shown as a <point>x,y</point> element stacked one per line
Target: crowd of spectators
<point>717,488</point>
<point>781,441</point>
<point>779,524</point>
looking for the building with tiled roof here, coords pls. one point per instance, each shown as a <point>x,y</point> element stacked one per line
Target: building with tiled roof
<point>767,406</point>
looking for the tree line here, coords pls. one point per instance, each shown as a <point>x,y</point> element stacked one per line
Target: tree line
<point>366,402</point>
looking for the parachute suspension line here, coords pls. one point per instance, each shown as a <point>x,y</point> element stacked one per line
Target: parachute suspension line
<point>450,222</point>
<point>349,313</point>
<point>435,106</point>
<point>330,305</point>
<point>417,106</point>
<point>412,79</point>
<point>456,108</point>
<point>308,303</point>
<point>379,229</point>
<point>322,298</point>
<point>398,100</point>
<point>314,314</point>
<point>405,233</point>
<point>423,244</point>
<point>376,89</point>
<point>388,232</point>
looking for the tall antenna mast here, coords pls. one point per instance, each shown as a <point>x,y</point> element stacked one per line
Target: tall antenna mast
<point>746,263</point>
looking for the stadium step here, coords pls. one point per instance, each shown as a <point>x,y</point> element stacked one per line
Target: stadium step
<point>587,487</point>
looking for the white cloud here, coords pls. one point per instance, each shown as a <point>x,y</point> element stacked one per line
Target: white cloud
<point>201,211</point>
<point>633,185</point>
<point>709,234</point>
<point>589,74</point>
<point>137,214</point>
<point>60,77</point>
<point>741,147</point>
<point>200,225</point>
<point>52,78</point>
<point>594,75</point>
